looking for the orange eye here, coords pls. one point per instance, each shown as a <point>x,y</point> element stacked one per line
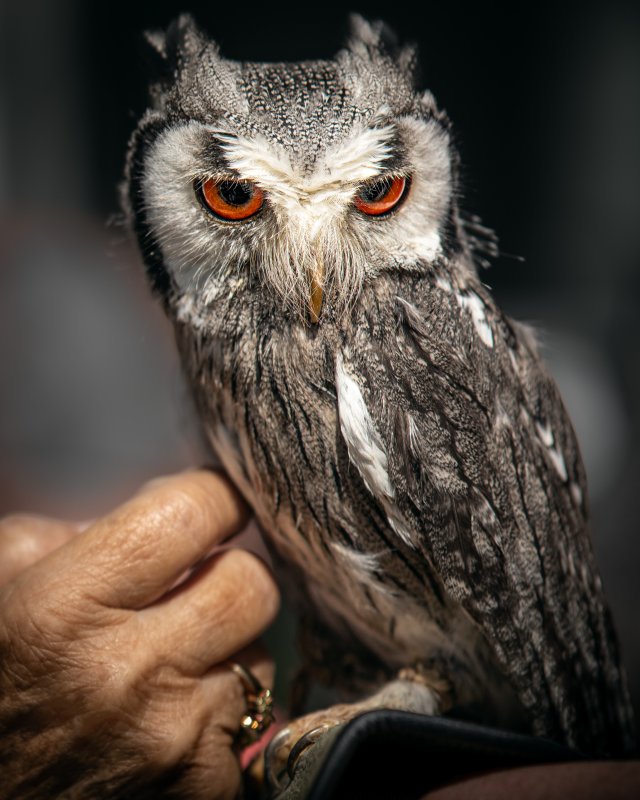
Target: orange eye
<point>231,200</point>
<point>380,196</point>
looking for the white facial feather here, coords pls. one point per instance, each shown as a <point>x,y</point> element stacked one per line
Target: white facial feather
<point>310,209</point>
<point>312,228</point>
<point>342,168</point>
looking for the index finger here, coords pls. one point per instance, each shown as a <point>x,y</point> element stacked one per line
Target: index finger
<point>136,553</point>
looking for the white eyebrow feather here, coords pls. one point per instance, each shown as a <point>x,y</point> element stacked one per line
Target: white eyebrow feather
<point>345,164</point>
<point>360,157</point>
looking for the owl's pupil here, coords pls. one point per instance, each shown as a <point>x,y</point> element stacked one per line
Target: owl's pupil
<point>374,192</point>
<point>235,193</point>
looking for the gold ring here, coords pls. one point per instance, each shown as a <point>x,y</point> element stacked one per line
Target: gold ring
<point>259,713</point>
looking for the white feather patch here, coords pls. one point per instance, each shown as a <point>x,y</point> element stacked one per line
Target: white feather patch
<point>366,449</point>
<point>576,493</point>
<point>359,157</point>
<point>474,305</point>
<point>557,459</point>
<point>548,439</point>
<point>427,246</point>
<point>363,442</point>
<point>443,283</point>
<point>343,166</point>
<point>397,522</point>
<point>362,564</point>
<point>545,433</point>
<point>313,221</point>
<point>502,418</point>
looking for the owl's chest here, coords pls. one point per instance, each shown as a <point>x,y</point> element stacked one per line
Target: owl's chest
<point>345,587</point>
<point>272,416</point>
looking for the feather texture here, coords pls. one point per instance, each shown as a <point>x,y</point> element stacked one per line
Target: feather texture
<point>407,456</point>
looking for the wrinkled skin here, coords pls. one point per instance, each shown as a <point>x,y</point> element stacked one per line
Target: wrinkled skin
<point>113,680</point>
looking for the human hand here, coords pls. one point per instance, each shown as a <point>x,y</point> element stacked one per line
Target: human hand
<point>113,681</point>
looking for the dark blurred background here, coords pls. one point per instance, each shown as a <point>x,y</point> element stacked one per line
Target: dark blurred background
<point>545,98</point>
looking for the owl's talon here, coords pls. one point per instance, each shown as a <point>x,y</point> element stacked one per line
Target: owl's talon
<point>273,770</point>
<point>305,741</point>
<point>281,758</point>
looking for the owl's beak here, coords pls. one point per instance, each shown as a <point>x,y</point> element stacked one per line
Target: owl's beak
<point>316,291</point>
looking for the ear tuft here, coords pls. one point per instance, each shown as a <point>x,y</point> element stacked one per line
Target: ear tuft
<point>158,42</point>
<point>184,40</point>
<point>368,35</point>
<point>428,102</point>
<point>182,44</point>
<point>368,39</point>
<point>407,59</point>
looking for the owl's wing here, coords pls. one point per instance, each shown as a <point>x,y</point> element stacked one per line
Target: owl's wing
<point>485,481</point>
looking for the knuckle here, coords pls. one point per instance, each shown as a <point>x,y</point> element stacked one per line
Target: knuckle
<point>255,589</point>
<point>56,620</point>
<point>35,638</point>
<point>182,508</point>
<point>215,773</point>
<point>205,498</point>
<point>17,537</point>
<point>133,529</point>
<point>161,699</point>
<point>15,521</point>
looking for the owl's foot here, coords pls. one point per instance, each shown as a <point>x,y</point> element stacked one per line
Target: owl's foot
<point>432,679</point>
<point>284,751</point>
<point>416,689</point>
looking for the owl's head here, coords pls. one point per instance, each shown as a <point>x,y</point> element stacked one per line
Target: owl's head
<point>298,181</point>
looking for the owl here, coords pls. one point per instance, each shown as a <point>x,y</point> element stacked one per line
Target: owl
<point>405,452</point>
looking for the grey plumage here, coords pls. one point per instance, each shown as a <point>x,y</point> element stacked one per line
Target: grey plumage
<point>407,456</point>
